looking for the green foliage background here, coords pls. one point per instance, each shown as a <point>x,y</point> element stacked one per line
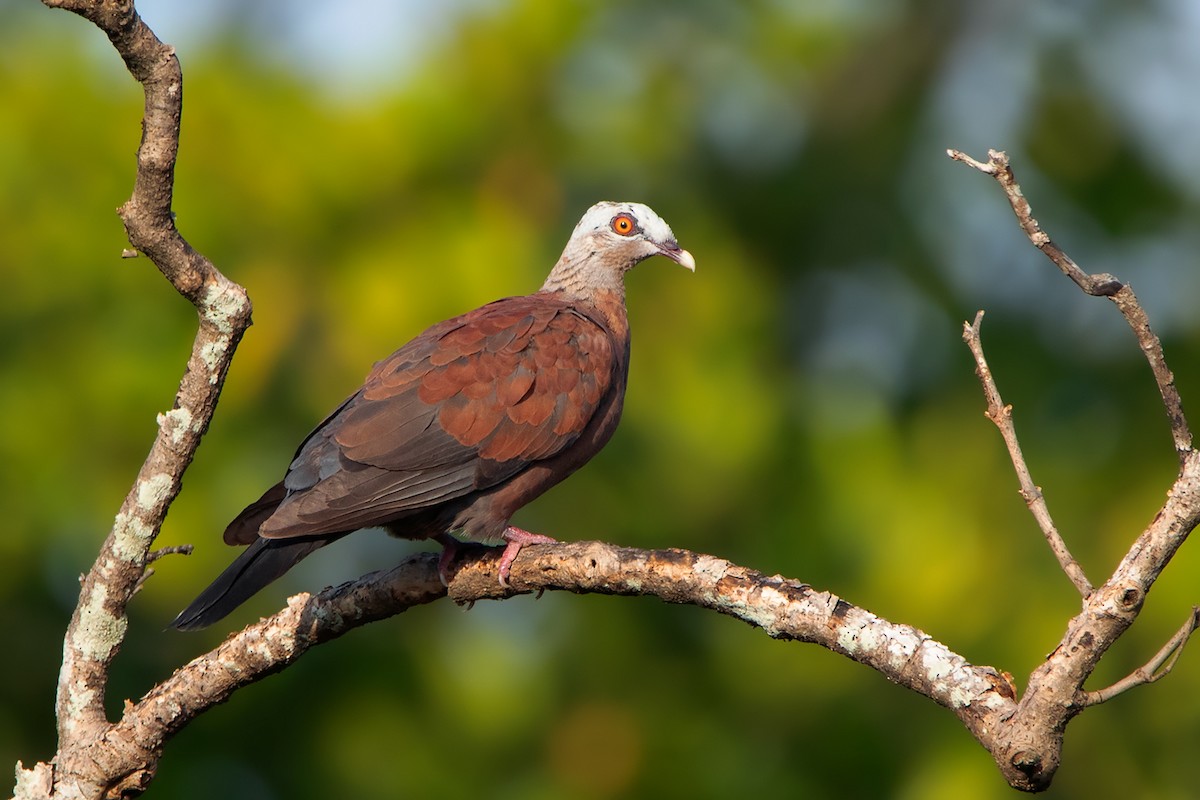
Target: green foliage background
<point>801,405</point>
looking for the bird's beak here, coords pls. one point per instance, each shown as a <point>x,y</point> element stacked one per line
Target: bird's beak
<point>677,254</point>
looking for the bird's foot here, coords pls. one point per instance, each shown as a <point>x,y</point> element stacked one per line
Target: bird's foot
<point>450,548</point>
<point>517,539</point>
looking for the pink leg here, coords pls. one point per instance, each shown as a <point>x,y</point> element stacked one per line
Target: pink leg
<point>450,547</point>
<point>517,539</point>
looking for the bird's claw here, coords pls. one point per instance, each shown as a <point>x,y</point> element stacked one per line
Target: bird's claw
<point>450,548</point>
<point>516,539</point>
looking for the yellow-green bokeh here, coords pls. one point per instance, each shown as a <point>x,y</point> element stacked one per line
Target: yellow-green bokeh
<point>801,404</point>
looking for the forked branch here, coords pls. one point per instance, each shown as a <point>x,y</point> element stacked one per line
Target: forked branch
<point>1055,693</point>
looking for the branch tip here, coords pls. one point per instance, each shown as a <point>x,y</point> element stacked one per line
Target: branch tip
<point>988,169</point>
<point>179,549</point>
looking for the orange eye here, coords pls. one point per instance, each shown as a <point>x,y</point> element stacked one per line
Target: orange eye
<point>624,224</point>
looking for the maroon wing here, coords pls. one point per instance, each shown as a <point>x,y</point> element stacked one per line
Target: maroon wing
<point>464,406</point>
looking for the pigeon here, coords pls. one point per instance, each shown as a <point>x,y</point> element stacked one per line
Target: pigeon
<point>458,429</point>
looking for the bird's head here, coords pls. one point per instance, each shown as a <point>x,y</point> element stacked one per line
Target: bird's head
<point>609,240</point>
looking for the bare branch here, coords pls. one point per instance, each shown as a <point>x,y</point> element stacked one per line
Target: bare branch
<point>997,166</point>
<point>783,609</point>
<point>1001,415</point>
<point>98,625</point>
<point>179,549</point>
<point>155,555</point>
<point>1055,694</point>
<point>1099,285</point>
<point>1151,347</point>
<point>1157,667</point>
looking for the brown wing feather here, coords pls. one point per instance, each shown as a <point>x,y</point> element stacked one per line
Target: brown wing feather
<point>469,403</point>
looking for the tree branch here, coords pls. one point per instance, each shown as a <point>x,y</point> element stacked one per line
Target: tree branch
<point>1055,694</point>
<point>1001,415</point>
<point>99,623</point>
<point>1157,667</point>
<point>783,609</point>
<point>1098,285</point>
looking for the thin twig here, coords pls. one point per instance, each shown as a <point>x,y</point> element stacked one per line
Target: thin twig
<point>997,166</point>
<point>179,549</point>
<point>147,574</point>
<point>155,555</point>
<point>1001,414</point>
<point>1157,667</point>
<point>1098,285</point>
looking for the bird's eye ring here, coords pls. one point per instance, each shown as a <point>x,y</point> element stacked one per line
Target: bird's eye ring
<point>624,225</point>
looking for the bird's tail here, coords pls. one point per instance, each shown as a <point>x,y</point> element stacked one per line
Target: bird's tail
<point>260,563</point>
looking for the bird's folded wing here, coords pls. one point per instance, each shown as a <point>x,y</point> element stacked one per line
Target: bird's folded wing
<point>467,404</point>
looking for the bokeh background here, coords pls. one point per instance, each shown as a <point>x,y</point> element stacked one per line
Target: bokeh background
<point>801,405</point>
